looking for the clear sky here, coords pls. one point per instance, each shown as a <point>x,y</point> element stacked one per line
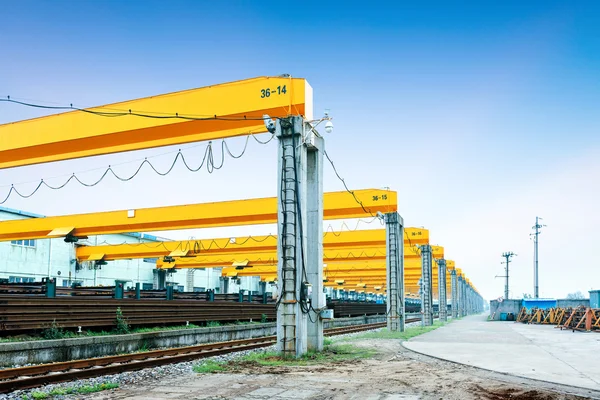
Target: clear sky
<point>481,116</point>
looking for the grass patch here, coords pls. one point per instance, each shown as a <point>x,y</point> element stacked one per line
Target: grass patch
<point>121,322</point>
<point>331,353</point>
<point>60,392</point>
<point>164,328</point>
<point>23,338</point>
<point>209,366</point>
<point>408,333</point>
<point>96,388</point>
<point>238,322</point>
<point>54,331</point>
<point>87,389</point>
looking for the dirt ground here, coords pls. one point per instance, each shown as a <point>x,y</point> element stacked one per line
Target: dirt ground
<point>395,373</point>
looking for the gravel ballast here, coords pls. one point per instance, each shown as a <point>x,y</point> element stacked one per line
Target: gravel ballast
<point>148,374</point>
<point>152,374</point>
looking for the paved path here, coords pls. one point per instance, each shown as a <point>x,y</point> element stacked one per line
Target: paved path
<point>532,351</point>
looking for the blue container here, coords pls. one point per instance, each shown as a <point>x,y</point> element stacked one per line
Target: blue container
<point>595,298</point>
<point>503,316</point>
<point>542,304</point>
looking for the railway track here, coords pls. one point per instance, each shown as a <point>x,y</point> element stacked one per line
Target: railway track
<point>22,314</point>
<point>12,379</point>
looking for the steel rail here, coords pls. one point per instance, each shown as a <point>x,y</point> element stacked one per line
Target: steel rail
<point>12,379</point>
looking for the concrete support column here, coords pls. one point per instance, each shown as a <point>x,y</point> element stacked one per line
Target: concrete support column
<point>394,228</point>
<point>159,279</point>
<point>314,244</point>
<point>262,287</point>
<point>461,295</point>
<point>454,293</point>
<point>155,279</point>
<point>300,233</point>
<point>224,284</point>
<point>442,300</point>
<point>189,279</point>
<point>468,296</point>
<point>469,301</point>
<point>426,285</point>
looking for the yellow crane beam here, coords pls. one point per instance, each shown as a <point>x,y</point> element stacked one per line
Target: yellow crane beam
<point>351,272</point>
<point>370,274</point>
<point>375,289</point>
<point>337,205</point>
<point>329,271</point>
<point>207,113</point>
<point>354,285</point>
<point>349,280</point>
<point>410,292</point>
<point>333,264</point>
<point>365,239</point>
<point>270,258</point>
<point>259,259</point>
<point>407,280</point>
<point>412,277</point>
<point>353,281</point>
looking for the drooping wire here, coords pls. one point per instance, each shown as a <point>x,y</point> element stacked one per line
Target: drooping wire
<point>198,244</point>
<point>123,113</point>
<point>331,230</point>
<point>362,254</point>
<point>367,211</point>
<point>207,159</point>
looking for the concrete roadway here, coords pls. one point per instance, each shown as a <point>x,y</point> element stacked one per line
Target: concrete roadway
<point>540,352</point>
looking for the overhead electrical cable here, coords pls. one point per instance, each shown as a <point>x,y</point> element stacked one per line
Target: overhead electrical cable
<point>208,159</point>
<point>124,113</point>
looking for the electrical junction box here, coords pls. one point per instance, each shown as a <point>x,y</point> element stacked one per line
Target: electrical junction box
<point>326,314</point>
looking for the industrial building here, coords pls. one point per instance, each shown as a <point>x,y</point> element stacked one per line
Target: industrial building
<point>30,260</point>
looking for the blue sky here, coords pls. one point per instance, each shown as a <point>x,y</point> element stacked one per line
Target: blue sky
<point>480,116</point>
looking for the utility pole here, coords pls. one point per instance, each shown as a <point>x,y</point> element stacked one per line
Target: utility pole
<point>508,256</point>
<point>536,235</point>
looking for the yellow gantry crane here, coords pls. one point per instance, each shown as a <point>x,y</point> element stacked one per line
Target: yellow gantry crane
<point>214,112</point>
<point>337,205</point>
<point>366,240</point>
<point>207,113</point>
